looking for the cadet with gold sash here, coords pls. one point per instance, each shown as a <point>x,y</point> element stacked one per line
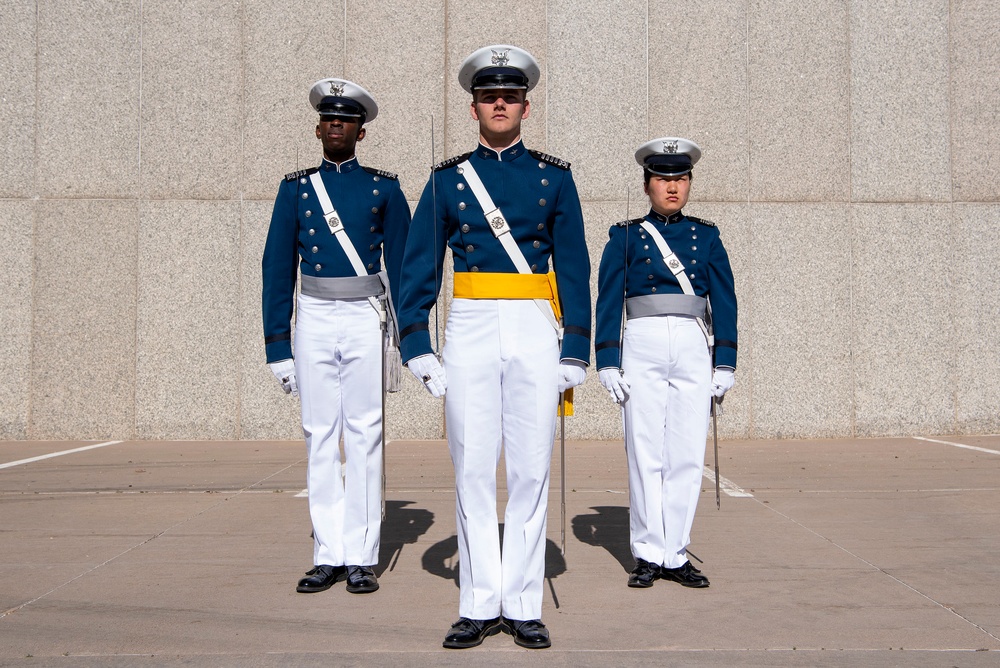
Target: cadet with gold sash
<point>510,216</point>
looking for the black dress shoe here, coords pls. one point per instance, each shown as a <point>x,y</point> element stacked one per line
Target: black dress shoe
<point>687,575</point>
<point>470,632</point>
<point>321,578</point>
<point>644,574</point>
<point>361,580</point>
<point>530,633</point>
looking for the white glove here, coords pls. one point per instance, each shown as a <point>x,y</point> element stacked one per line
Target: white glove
<point>722,381</point>
<point>571,374</point>
<point>284,371</point>
<point>429,371</point>
<point>614,382</point>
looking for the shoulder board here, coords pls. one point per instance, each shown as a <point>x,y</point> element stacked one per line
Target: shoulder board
<point>384,174</point>
<point>626,223</point>
<point>450,162</point>
<point>294,176</point>
<point>551,159</point>
<point>701,221</point>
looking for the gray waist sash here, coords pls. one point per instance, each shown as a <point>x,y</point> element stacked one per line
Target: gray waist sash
<point>348,287</point>
<point>672,304</point>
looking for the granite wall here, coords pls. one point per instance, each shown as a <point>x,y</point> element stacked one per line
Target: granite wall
<point>851,161</point>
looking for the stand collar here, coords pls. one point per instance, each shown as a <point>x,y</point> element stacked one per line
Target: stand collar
<point>343,167</point>
<point>512,152</point>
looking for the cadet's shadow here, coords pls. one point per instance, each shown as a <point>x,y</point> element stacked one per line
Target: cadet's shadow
<point>608,528</point>
<point>401,526</point>
<point>441,559</point>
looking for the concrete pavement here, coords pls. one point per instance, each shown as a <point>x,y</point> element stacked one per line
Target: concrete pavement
<point>877,552</point>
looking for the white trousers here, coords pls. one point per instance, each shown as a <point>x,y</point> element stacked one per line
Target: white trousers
<point>338,365</point>
<point>502,360</point>
<point>666,361</point>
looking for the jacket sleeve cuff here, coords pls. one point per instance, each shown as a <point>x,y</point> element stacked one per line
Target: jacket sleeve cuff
<point>415,344</point>
<point>609,357</point>
<point>577,347</point>
<point>278,350</point>
<point>725,356</point>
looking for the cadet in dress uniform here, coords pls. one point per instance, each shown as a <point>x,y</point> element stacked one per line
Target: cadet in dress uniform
<point>671,274</point>
<point>506,212</point>
<point>332,223</point>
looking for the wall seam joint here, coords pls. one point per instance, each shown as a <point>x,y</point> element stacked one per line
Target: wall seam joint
<point>751,430</point>
<point>29,431</point>
<point>956,425</point>
<point>138,234</point>
<point>238,426</point>
<point>850,212</point>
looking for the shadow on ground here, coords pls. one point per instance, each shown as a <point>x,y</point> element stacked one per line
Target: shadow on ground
<point>607,528</point>
<point>441,559</point>
<point>402,526</point>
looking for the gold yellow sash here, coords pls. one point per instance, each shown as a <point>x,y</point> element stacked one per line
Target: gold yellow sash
<point>487,285</point>
<point>490,285</point>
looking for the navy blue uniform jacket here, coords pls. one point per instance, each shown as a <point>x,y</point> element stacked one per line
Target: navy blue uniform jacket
<point>375,215</point>
<point>538,197</point>
<point>631,259</point>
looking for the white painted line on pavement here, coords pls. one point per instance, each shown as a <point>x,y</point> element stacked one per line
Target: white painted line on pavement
<point>726,485</point>
<point>958,445</point>
<point>303,494</point>
<point>56,454</point>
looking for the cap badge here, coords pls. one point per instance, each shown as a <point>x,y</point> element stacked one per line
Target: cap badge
<point>500,58</point>
<point>336,89</point>
<point>670,147</point>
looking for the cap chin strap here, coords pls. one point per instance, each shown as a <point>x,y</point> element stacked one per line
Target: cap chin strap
<point>656,172</point>
<point>509,79</point>
<point>339,106</point>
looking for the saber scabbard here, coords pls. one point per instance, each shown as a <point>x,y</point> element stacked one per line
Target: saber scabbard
<point>562,469</point>
<point>715,440</point>
<point>385,345</point>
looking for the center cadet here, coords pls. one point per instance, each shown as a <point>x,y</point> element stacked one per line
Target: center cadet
<point>505,212</point>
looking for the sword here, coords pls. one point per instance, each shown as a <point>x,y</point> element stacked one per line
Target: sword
<point>621,338</point>
<point>384,326</point>
<point>715,439</point>
<point>437,322</point>
<point>562,467</point>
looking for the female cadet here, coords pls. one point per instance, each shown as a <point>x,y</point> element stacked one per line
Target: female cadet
<point>670,274</point>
